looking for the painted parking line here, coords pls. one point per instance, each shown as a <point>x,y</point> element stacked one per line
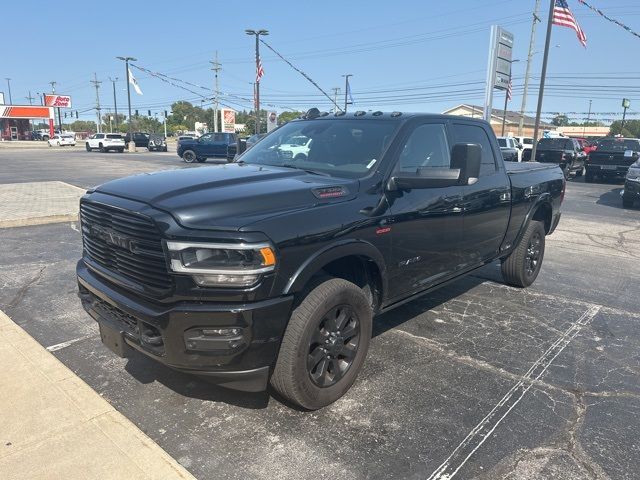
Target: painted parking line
<point>481,432</point>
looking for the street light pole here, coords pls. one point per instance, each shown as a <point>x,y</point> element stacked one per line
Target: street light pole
<point>132,144</point>
<point>584,126</point>
<point>115,102</point>
<point>9,87</point>
<point>532,43</point>
<point>257,34</point>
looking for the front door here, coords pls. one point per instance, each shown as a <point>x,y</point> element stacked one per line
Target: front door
<point>486,203</point>
<point>14,133</point>
<point>426,223</point>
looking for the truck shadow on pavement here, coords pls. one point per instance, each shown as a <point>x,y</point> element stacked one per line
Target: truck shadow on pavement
<point>146,371</point>
<point>611,198</point>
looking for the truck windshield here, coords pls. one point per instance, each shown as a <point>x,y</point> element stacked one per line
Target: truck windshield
<point>338,147</point>
<point>555,144</point>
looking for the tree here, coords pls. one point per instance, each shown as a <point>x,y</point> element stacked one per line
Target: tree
<point>83,126</point>
<point>560,120</point>
<point>631,128</point>
<point>285,117</point>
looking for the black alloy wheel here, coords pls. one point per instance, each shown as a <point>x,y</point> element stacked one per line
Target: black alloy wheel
<point>532,257</point>
<point>333,346</point>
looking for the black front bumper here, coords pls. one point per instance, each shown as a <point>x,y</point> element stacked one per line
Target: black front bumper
<point>179,335</point>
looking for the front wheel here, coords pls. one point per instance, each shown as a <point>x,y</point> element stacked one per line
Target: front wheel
<point>102,149</point>
<point>627,202</point>
<point>522,266</point>
<point>189,156</point>
<point>86,145</point>
<point>324,345</point>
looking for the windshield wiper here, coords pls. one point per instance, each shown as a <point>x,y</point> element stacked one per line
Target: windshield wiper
<point>308,170</point>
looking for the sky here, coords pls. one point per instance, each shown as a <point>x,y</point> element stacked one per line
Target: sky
<point>420,56</point>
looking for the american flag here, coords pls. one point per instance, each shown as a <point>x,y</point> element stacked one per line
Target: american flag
<point>259,70</point>
<point>509,91</point>
<point>562,16</point>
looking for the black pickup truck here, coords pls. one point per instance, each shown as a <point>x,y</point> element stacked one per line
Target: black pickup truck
<point>612,158</point>
<point>563,151</point>
<point>271,269</point>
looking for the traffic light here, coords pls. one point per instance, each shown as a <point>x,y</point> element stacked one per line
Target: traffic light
<point>148,113</point>
<point>165,114</point>
<point>76,114</point>
<point>136,113</point>
<point>65,114</point>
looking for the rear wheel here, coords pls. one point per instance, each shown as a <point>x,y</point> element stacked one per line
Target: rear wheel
<point>120,150</point>
<point>522,266</point>
<point>324,345</point>
<point>588,177</point>
<point>86,145</point>
<point>189,156</point>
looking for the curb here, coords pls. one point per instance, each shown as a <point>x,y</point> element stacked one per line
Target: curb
<point>59,427</point>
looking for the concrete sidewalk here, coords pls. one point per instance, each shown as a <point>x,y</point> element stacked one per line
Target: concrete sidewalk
<point>53,425</point>
<point>37,203</point>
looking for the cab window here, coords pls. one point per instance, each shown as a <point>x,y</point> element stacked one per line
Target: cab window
<point>426,147</point>
<point>474,134</point>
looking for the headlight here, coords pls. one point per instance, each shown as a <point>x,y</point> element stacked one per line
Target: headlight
<point>222,264</point>
<point>634,174</point>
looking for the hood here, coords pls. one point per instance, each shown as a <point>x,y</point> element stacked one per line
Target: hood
<point>227,196</point>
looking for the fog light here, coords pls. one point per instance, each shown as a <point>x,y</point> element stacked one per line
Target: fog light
<point>225,280</point>
<point>222,332</point>
<point>224,338</point>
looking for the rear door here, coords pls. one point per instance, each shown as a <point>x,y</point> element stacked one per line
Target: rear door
<point>426,223</point>
<point>487,203</point>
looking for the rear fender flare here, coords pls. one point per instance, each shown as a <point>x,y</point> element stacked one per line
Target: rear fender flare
<point>319,259</point>
<point>544,198</point>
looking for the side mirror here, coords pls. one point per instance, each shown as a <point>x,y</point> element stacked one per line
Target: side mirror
<point>467,157</point>
<point>520,147</point>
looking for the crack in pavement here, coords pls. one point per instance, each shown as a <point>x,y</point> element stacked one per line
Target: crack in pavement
<point>23,290</point>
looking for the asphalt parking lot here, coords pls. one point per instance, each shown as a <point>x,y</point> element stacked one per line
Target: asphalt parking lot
<point>478,379</point>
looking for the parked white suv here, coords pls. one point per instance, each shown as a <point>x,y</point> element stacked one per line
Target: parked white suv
<point>296,147</point>
<point>62,140</point>
<point>105,142</point>
<point>527,144</point>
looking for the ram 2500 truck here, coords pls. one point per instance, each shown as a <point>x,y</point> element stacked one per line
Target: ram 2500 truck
<point>271,269</point>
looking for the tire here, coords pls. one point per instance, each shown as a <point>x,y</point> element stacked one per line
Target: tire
<point>307,342</point>
<point>101,147</point>
<point>627,202</point>
<point>519,269</point>
<point>300,156</point>
<point>580,172</point>
<point>86,145</point>
<point>189,156</point>
<point>121,150</point>
<point>165,149</point>
<point>588,177</point>
<point>566,171</point>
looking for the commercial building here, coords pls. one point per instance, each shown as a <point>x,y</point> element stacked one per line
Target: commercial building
<point>15,120</point>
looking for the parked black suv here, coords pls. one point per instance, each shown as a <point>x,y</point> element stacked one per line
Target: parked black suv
<point>272,269</point>
<point>140,139</point>
<point>157,143</point>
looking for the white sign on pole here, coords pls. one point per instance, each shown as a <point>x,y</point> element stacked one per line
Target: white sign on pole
<point>498,66</point>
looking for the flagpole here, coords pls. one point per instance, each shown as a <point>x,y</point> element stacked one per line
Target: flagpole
<point>132,144</point>
<point>542,79</point>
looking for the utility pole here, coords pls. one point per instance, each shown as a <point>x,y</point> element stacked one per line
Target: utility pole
<point>115,102</point>
<point>216,68</point>
<point>132,144</point>
<point>30,98</point>
<point>257,34</point>
<point>9,87</point>
<point>336,90</point>
<point>532,42</point>
<point>96,84</point>
<point>584,126</point>
<point>346,89</point>
<point>543,76</point>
